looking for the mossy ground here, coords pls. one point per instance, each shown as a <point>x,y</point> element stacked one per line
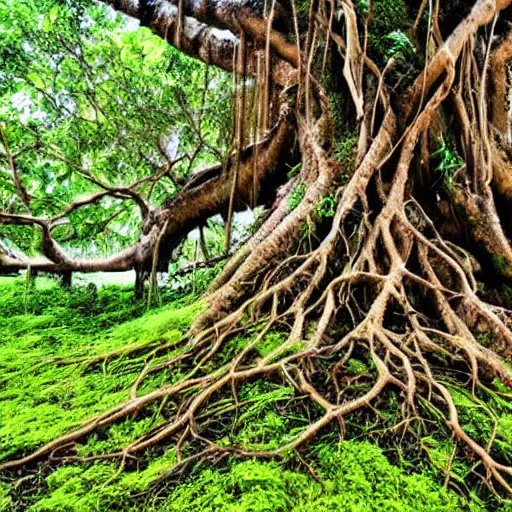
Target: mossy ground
<point>47,388</point>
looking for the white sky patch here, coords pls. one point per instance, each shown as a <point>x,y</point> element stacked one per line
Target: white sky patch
<point>241,221</point>
<point>124,230</point>
<point>172,145</point>
<point>224,35</point>
<point>22,102</point>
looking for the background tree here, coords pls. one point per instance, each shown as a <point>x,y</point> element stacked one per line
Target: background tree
<point>77,105</point>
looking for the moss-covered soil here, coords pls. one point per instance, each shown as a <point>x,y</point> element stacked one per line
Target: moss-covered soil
<point>53,377</point>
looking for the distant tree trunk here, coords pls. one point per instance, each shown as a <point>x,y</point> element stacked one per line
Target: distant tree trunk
<point>66,280</point>
<point>141,277</point>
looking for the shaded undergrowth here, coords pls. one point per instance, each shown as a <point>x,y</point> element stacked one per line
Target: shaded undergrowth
<point>53,376</point>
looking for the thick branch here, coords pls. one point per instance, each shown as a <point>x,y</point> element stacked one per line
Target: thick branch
<point>209,43</point>
<point>24,196</point>
<point>21,220</point>
<point>208,192</point>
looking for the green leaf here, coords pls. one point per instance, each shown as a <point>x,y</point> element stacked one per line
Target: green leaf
<point>36,80</point>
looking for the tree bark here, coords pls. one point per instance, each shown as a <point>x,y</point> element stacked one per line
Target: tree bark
<point>207,193</point>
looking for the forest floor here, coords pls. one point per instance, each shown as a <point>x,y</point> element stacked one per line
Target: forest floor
<point>53,377</point>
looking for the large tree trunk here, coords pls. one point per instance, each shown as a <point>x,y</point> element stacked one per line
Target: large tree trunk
<point>379,278</point>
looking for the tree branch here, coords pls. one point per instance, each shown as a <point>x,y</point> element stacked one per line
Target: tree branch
<point>122,192</point>
<point>208,43</point>
<point>21,220</point>
<point>205,194</point>
<point>483,12</point>
<point>24,196</point>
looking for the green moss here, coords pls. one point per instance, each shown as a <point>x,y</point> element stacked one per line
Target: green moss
<point>355,476</point>
<point>5,499</point>
<point>297,194</point>
<point>117,436</point>
<point>271,342</point>
<point>263,425</point>
<point>40,397</point>
<point>326,207</point>
<point>98,487</point>
<point>500,264</point>
<point>480,416</point>
<point>355,366</point>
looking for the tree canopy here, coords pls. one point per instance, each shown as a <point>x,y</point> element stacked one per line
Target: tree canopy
<point>91,106</point>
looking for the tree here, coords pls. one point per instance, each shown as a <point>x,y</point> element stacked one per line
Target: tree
<point>386,241</point>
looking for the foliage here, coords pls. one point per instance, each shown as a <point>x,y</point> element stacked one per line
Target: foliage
<point>345,147</point>
<point>388,38</point>
<point>326,206</point>
<point>446,160</point>
<point>195,282</point>
<point>86,99</point>
<point>401,47</point>
<point>47,299</point>
<point>296,195</point>
<point>388,16</point>
<point>295,170</point>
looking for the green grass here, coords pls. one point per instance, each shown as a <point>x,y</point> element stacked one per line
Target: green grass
<point>41,399</point>
<point>47,389</point>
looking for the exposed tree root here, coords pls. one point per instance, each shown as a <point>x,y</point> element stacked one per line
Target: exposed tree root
<point>381,282</point>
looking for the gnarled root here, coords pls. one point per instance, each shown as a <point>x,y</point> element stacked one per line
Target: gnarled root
<point>380,275</point>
